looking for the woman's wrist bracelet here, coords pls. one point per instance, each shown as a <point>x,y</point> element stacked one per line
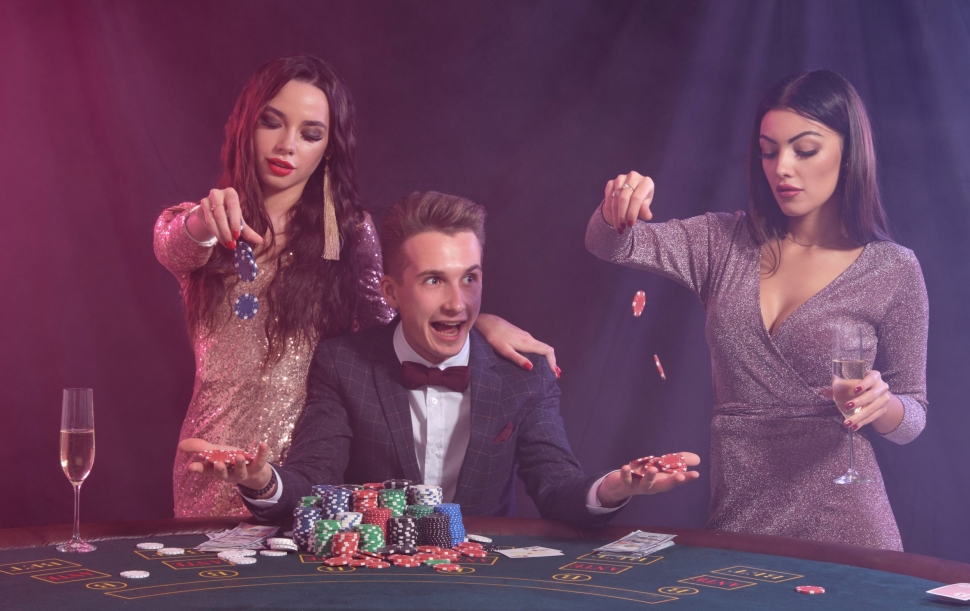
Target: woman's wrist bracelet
<point>185,226</point>
<point>249,493</point>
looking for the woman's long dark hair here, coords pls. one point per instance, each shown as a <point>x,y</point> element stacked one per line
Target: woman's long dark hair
<point>829,99</point>
<point>310,298</point>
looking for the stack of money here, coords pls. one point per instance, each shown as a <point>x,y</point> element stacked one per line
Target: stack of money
<point>636,545</point>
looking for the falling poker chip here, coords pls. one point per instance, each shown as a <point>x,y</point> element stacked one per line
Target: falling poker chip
<point>246,306</point>
<point>245,262</point>
<point>639,300</point>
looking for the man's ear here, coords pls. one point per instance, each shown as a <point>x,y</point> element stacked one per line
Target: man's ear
<point>389,289</point>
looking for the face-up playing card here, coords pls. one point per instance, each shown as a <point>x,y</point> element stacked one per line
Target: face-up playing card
<point>956,591</point>
<point>530,552</point>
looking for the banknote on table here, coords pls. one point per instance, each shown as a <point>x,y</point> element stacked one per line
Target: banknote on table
<point>244,536</point>
<point>636,544</point>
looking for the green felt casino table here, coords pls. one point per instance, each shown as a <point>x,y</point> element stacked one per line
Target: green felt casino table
<point>705,570</point>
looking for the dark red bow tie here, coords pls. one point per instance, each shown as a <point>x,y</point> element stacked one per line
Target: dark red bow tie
<point>417,375</point>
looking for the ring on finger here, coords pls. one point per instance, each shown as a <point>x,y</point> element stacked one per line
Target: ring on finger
<point>625,186</point>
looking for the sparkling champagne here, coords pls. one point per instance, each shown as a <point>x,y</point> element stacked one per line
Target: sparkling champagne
<point>848,374</point>
<point>77,454</point>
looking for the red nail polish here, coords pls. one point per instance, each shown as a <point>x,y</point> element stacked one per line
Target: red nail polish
<point>847,423</point>
<point>858,389</point>
<point>235,235</point>
<point>528,366</point>
<point>855,427</point>
<point>850,405</point>
<point>231,245</point>
<point>558,373</point>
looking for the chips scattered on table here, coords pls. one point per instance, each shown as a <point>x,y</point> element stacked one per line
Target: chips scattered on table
<point>149,545</point>
<point>810,589</point>
<point>660,368</point>
<point>133,574</point>
<point>171,551</point>
<point>639,301</point>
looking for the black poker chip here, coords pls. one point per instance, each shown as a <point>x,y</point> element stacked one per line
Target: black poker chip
<point>245,262</point>
<point>246,306</point>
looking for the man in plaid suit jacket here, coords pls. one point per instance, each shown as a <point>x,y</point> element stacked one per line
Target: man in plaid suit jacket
<point>370,417</point>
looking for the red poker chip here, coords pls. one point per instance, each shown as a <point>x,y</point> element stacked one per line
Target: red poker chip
<point>408,564</point>
<point>447,568</point>
<point>467,545</point>
<point>226,457</point>
<point>639,301</point>
<point>378,564</point>
<point>471,553</point>
<point>810,590</point>
<point>429,549</point>
<point>422,556</point>
<point>337,561</point>
<point>356,562</point>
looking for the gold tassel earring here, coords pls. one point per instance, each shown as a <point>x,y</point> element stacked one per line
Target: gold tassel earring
<point>331,247</point>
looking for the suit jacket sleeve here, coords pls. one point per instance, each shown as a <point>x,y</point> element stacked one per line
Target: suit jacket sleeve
<point>321,439</point>
<point>552,475</point>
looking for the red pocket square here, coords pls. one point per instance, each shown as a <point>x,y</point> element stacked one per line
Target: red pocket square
<point>505,434</point>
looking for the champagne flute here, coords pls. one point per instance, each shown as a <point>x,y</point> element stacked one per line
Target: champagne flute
<point>848,369</point>
<point>77,453</point>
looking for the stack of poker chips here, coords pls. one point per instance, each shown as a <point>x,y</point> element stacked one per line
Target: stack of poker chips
<point>323,533</point>
<point>434,530</point>
<point>395,500</point>
<point>402,533</point>
<point>371,537</point>
<point>425,495</point>
<point>456,527</point>
<point>379,517</point>
<point>310,501</point>
<point>319,489</point>
<point>304,520</point>
<point>335,500</point>
<point>419,511</point>
<point>348,519</point>
<point>397,484</point>
<point>344,543</point>
<point>364,499</point>
<point>351,487</point>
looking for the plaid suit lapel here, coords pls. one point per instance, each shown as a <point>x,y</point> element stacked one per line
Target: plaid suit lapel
<point>486,398</point>
<point>397,410</point>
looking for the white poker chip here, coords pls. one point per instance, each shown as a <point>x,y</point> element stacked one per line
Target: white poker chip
<point>171,551</point>
<point>240,552</point>
<point>149,545</point>
<point>242,560</point>
<point>273,552</point>
<point>133,574</point>
<point>478,538</point>
<point>282,543</point>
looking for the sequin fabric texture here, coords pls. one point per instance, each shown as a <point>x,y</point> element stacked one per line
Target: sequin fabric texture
<point>235,401</point>
<point>776,442</point>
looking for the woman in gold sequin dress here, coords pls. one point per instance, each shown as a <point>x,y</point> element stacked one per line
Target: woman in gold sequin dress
<point>813,253</point>
<point>288,189</point>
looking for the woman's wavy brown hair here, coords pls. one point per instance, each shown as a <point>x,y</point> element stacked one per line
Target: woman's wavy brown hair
<point>828,98</point>
<point>310,298</point>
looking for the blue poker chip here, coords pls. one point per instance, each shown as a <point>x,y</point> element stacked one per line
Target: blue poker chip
<point>245,262</point>
<point>246,306</point>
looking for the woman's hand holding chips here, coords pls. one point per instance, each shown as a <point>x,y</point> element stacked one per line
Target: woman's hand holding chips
<point>229,464</point>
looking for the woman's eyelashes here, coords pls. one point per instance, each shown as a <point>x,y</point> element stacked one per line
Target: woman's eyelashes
<point>310,136</point>
<point>800,154</point>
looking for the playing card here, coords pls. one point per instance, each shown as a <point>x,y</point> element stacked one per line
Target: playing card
<point>955,591</point>
<point>530,552</point>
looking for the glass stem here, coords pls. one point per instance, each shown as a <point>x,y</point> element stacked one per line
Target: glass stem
<point>851,453</point>
<point>77,512</point>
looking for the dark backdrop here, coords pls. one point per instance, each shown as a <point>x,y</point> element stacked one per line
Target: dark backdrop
<point>110,111</point>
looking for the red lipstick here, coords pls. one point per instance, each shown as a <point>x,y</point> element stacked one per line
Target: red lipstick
<point>279,167</point>
<point>784,190</point>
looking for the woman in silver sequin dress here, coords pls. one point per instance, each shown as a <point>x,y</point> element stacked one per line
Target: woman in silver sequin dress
<point>812,253</point>
<point>289,189</point>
